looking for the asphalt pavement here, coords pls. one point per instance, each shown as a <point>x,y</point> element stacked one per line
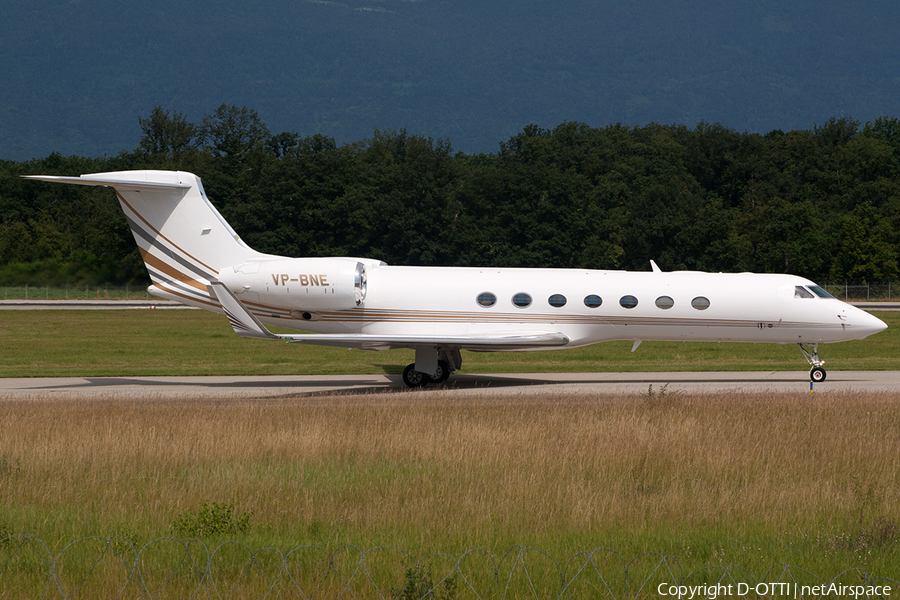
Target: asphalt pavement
<point>462,384</point>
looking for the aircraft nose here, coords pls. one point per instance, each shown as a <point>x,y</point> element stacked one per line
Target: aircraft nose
<point>868,324</point>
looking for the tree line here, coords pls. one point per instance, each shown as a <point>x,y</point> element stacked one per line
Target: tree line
<point>823,203</point>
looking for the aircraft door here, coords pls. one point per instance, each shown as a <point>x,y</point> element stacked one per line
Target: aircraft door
<point>359,284</point>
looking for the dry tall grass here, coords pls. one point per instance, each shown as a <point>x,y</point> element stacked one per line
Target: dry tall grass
<point>694,475</point>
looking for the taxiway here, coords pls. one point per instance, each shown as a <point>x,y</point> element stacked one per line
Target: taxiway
<point>508,384</point>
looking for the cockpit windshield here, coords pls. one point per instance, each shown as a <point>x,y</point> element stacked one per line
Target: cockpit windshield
<point>810,291</point>
<point>820,292</point>
<point>802,292</point>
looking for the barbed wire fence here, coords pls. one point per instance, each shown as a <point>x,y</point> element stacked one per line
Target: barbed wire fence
<point>74,292</point>
<point>859,291</point>
<point>114,567</point>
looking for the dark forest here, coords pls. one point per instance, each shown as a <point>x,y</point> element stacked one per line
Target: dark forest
<point>823,203</point>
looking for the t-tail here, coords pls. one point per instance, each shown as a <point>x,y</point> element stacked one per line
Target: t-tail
<point>183,239</point>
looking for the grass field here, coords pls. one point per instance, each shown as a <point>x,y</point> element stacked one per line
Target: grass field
<point>166,342</point>
<point>749,480</point>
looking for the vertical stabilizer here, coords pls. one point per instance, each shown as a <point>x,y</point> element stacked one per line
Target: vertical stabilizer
<point>183,239</point>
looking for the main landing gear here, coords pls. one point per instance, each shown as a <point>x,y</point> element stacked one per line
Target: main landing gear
<point>413,378</point>
<point>816,372</point>
<point>433,365</point>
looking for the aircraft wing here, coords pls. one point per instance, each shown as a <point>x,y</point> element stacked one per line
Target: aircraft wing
<point>245,324</point>
<point>483,343</point>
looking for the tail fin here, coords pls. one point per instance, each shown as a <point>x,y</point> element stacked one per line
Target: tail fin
<point>182,237</point>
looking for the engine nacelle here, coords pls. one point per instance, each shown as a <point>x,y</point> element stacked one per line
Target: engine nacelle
<point>303,286</point>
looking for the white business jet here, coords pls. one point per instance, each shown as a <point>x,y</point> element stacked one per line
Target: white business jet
<point>195,257</point>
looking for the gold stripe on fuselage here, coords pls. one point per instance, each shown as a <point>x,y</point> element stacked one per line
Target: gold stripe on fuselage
<point>363,316</point>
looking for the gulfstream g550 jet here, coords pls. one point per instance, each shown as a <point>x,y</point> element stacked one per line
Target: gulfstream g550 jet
<point>195,257</point>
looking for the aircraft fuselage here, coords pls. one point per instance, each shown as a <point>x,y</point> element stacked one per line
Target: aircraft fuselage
<point>587,306</point>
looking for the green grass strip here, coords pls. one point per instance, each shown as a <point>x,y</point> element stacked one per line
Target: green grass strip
<point>83,343</point>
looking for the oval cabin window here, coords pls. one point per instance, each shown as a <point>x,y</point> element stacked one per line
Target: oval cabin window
<point>522,300</point>
<point>665,302</point>
<point>486,299</point>
<point>557,300</point>
<point>593,301</point>
<point>628,302</point>
<point>700,303</point>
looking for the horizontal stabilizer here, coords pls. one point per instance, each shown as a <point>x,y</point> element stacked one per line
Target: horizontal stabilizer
<point>110,179</point>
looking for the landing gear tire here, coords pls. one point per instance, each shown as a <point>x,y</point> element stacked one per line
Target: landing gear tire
<point>817,374</point>
<point>443,372</point>
<point>413,378</point>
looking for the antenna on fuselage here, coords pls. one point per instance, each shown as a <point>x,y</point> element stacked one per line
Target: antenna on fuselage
<point>655,266</point>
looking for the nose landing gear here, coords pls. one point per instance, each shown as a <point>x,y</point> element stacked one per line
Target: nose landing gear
<point>816,372</point>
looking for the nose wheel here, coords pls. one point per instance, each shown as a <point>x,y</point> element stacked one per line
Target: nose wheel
<point>816,373</point>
